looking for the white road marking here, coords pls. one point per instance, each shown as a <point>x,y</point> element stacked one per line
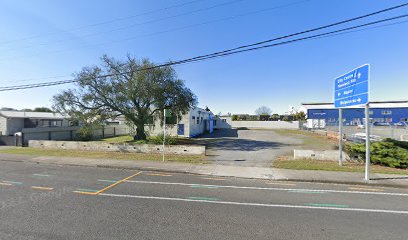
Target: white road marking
<point>274,189</point>
<point>257,204</point>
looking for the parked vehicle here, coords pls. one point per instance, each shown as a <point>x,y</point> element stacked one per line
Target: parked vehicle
<point>381,124</point>
<point>361,138</point>
<point>401,124</point>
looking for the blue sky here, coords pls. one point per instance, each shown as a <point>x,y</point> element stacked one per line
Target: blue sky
<point>44,38</point>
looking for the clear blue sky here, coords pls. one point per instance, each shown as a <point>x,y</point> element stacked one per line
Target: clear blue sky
<point>41,39</point>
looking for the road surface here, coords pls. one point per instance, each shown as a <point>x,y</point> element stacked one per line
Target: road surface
<point>62,202</point>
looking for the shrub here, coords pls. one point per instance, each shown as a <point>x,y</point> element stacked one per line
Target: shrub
<point>170,140</point>
<point>387,153</point>
<point>85,133</point>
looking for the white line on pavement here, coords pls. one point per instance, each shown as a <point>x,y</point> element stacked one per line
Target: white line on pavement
<point>258,204</point>
<point>296,190</point>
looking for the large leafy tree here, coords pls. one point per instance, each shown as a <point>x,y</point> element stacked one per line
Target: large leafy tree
<point>133,88</point>
<point>263,110</point>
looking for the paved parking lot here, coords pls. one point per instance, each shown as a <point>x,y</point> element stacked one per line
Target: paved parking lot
<point>256,148</point>
<point>61,202</point>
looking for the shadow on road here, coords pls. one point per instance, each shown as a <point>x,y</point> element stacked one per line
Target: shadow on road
<point>227,139</point>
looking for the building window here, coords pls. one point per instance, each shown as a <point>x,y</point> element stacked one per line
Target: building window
<point>388,120</point>
<point>198,120</point>
<point>224,120</point>
<point>356,120</point>
<point>386,112</point>
<point>371,112</point>
<point>193,118</point>
<point>215,123</point>
<point>404,119</point>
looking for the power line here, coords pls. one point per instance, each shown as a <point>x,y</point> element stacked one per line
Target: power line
<point>185,27</point>
<point>327,34</point>
<point>135,25</point>
<point>221,53</point>
<point>104,22</point>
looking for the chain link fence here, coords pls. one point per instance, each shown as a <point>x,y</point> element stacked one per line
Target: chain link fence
<point>356,132</point>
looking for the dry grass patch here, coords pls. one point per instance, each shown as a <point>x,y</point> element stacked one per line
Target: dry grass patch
<point>307,164</point>
<point>104,155</point>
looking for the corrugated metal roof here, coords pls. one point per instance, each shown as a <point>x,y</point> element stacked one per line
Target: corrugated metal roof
<point>40,115</point>
<point>374,104</point>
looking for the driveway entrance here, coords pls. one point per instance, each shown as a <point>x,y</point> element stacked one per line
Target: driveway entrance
<point>246,147</point>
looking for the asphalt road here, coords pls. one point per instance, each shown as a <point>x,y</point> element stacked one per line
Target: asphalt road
<point>61,202</point>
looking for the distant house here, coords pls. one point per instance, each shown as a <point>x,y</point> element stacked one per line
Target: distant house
<point>12,122</point>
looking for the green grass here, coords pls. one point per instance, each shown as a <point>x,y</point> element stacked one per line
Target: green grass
<point>307,164</point>
<point>150,140</point>
<point>103,155</point>
<point>311,141</point>
<point>124,139</point>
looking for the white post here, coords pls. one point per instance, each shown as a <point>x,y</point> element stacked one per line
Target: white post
<point>340,136</point>
<point>164,132</point>
<point>367,167</point>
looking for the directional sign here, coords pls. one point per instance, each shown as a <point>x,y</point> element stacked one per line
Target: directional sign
<point>352,88</point>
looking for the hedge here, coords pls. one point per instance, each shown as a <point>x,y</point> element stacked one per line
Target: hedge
<point>390,153</point>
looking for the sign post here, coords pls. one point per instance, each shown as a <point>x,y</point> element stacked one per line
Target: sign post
<point>352,89</point>
<point>367,166</point>
<point>164,131</point>
<point>340,136</point>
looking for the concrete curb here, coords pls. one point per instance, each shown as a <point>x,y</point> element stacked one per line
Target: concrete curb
<point>218,170</point>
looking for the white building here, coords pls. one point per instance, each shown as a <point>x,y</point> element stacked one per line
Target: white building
<point>197,121</point>
<point>14,121</point>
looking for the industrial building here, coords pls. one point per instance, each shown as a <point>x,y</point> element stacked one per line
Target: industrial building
<point>383,112</point>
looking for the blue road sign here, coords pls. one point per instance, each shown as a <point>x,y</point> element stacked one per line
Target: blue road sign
<point>352,88</point>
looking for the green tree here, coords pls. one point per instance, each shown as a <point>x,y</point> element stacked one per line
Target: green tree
<point>275,117</point>
<point>133,88</point>
<point>263,110</point>
<point>42,109</point>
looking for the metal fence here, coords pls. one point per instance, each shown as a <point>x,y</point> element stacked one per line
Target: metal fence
<point>353,132</point>
<point>70,133</point>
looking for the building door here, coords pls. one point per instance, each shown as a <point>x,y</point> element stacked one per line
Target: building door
<point>180,129</point>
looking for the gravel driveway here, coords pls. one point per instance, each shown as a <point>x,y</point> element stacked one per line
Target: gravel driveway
<point>247,147</point>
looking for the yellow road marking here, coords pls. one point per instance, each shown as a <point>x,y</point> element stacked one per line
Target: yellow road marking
<point>366,189</point>
<point>42,188</point>
<point>216,179</point>
<point>116,183</point>
<point>86,193</point>
<point>278,183</point>
<point>159,174</point>
<point>6,184</point>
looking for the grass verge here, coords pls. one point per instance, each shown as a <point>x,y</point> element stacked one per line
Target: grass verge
<point>309,140</point>
<point>307,164</point>
<point>104,155</point>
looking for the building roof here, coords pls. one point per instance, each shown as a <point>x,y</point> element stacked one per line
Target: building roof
<point>39,115</point>
<point>374,104</point>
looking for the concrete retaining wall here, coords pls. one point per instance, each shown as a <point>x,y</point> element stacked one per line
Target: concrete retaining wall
<point>111,147</point>
<point>266,124</point>
<point>331,155</point>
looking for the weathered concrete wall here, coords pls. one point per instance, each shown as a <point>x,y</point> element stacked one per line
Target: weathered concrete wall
<point>223,122</point>
<point>266,124</point>
<point>111,147</point>
<point>331,155</point>
<point>14,125</point>
<point>3,126</point>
